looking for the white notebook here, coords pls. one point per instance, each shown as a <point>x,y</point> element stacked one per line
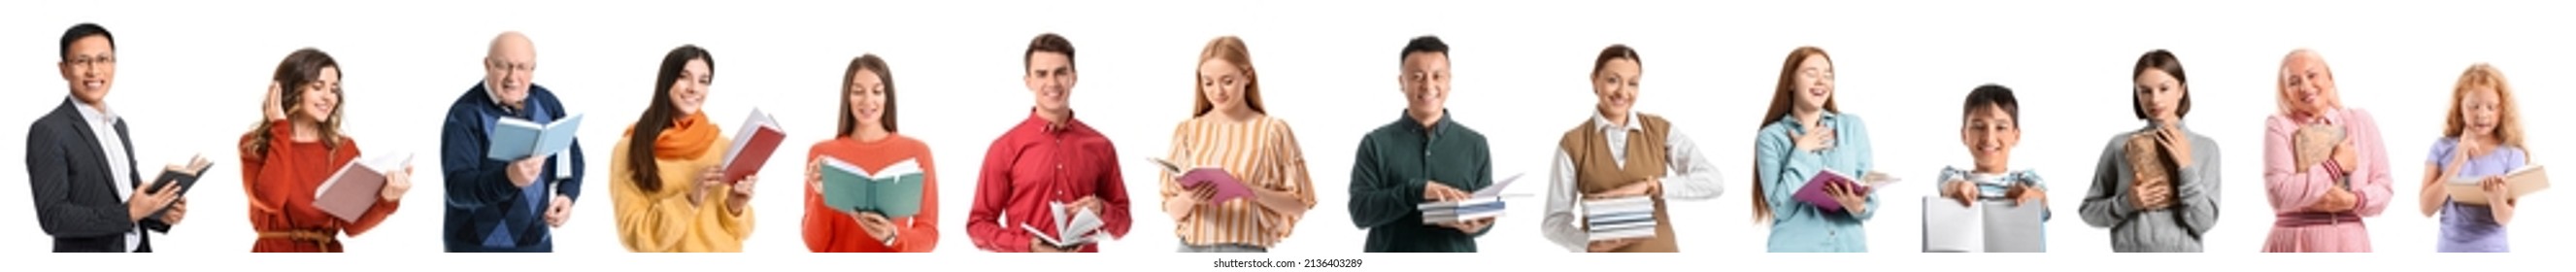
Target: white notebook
<point>1989,226</point>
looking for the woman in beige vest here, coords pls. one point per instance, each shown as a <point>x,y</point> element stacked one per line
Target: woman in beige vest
<point>1615,166</point>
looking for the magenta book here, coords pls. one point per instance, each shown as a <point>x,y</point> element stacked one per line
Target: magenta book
<point>1227,187</point>
<point>1814,192</point>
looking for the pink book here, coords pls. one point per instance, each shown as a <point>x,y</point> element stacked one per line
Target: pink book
<point>1227,187</point>
<point>354,189</point>
<point>1814,192</point>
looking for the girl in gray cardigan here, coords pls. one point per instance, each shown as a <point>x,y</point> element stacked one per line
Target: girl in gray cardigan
<point>2156,187</point>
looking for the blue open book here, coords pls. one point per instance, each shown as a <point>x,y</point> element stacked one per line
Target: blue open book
<point>894,191</point>
<point>515,139</point>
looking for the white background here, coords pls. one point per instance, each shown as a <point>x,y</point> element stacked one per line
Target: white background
<point>191,73</point>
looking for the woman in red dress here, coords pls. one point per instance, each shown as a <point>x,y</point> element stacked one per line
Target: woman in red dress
<point>289,155</point>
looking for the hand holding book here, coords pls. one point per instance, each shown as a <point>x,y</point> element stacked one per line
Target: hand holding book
<point>1470,226</point>
<point>1852,197</point>
<point>1222,186</point>
<point>1075,225</point>
<point>2177,146</point>
<point>1633,189</point>
<point>1612,244</point>
<point>877,225</point>
<point>2503,188</point>
<point>2496,189</point>
<point>1436,192</point>
<point>363,183</point>
<point>397,183</point>
<point>738,191</point>
<point>1834,191</point>
<point>173,186</point>
<point>524,172</point>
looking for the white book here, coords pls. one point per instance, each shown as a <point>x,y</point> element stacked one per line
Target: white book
<point>1081,228</point>
<point>1987,226</point>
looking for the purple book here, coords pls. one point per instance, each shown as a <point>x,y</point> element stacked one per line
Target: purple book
<point>1814,192</point>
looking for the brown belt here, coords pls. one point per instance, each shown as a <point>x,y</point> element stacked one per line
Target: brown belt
<point>321,239</point>
<point>2315,219</point>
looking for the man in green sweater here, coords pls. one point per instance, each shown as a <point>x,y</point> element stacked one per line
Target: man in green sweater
<point>1422,157</point>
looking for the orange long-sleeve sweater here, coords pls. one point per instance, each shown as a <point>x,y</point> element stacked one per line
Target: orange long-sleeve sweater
<point>281,183</point>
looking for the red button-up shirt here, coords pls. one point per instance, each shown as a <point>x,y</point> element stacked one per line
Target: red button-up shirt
<point>1036,163</point>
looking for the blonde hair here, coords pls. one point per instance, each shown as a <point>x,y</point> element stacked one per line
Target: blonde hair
<point>2281,88</point>
<point>1230,49</point>
<point>2508,121</point>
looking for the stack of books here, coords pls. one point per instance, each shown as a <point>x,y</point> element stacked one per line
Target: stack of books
<point>1620,218</point>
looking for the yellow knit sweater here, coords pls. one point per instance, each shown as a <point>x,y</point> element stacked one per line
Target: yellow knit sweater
<point>663,221</point>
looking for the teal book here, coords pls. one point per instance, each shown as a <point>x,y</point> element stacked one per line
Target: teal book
<point>515,139</point>
<point>894,191</point>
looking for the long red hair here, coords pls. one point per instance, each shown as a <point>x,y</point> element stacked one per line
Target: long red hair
<point>1780,106</point>
<point>2508,130</point>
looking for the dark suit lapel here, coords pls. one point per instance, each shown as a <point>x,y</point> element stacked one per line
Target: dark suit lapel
<point>134,173</point>
<point>87,143</point>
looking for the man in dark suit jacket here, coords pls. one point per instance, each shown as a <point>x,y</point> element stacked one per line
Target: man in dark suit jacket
<point>496,205</point>
<point>80,162</point>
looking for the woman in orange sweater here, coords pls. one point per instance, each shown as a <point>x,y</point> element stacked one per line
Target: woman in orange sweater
<point>867,140</point>
<point>295,150</point>
<point>667,181</point>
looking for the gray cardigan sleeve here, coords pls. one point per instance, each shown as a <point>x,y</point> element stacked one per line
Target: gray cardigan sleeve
<point>2199,190</point>
<point>2107,203</point>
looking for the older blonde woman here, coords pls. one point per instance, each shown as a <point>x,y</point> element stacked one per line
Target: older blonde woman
<point>2324,164</point>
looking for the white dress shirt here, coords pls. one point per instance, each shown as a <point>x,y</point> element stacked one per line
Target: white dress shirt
<point>1690,177</point>
<point>103,123</point>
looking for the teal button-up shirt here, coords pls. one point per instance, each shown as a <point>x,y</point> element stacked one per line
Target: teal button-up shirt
<point>1796,226</point>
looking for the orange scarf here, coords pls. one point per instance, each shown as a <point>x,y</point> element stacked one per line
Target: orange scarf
<point>688,137</point>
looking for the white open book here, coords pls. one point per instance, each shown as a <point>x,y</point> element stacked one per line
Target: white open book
<point>2522,181</point>
<point>1989,226</point>
<point>1080,229</point>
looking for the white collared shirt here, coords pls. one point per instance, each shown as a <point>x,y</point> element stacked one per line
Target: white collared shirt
<point>1691,176</point>
<point>103,123</point>
<point>495,94</point>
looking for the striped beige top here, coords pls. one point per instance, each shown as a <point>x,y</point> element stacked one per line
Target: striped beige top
<point>1264,154</point>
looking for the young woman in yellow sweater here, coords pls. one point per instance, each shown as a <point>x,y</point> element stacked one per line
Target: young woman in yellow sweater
<point>670,195</point>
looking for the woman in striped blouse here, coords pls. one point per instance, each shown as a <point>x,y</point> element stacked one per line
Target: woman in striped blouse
<point>1229,130</point>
